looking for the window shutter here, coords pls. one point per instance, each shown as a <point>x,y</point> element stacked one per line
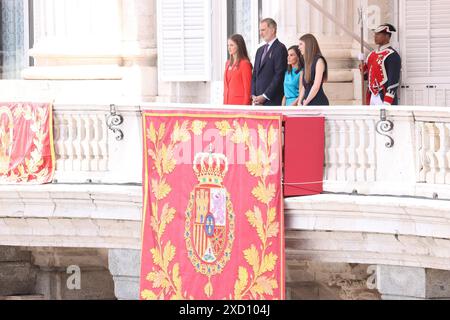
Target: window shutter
<point>440,38</point>
<point>184,40</point>
<point>426,41</point>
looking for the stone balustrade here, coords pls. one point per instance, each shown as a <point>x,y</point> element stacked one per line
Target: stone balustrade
<point>87,151</point>
<point>357,158</point>
<point>381,205</point>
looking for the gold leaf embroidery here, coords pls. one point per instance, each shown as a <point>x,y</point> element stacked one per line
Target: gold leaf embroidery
<point>159,279</point>
<point>259,166</point>
<point>263,193</point>
<point>262,134</point>
<point>255,166</point>
<point>160,190</point>
<point>269,263</point>
<point>272,136</point>
<point>264,286</point>
<point>208,289</point>
<point>151,133</point>
<point>155,210</point>
<point>164,162</point>
<point>252,257</point>
<point>161,131</point>
<point>168,255</point>
<point>157,259</point>
<point>271,215</point>
<point>198,126</point>
<point>154,224</point>
<point>31,168</point>
<point>255,219</point>
<point>152,154</point>
<point>166,217</point>
<point>273,230</point>
<point>224,128</point>
<point>148,295</point>
<point>168,161</point>
<point>180,133</point>
<point>241,133</point>
<point>241,284</point>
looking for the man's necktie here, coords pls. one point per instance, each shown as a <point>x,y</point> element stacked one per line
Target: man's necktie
<point>266,49</point>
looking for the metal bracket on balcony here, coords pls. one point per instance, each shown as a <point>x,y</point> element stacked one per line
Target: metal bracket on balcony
<point>385,126</point>
<point>114,120</point>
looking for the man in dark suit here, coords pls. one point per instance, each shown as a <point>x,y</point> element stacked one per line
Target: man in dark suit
<point>270,67</point>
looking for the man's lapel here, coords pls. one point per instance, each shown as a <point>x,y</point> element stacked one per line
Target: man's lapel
<point>269,54</point>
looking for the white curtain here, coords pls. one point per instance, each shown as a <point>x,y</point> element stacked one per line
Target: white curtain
<point>13,48</point>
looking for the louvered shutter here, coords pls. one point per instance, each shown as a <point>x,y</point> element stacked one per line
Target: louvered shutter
<point>184,40</point>
<point>426,41</point>
<point>440,39</point>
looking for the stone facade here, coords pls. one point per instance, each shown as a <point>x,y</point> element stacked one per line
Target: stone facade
<point>55,274</point>
<point>338,246</point>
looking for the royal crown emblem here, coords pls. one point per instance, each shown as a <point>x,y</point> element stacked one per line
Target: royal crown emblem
<point>210,220</point>
<point>6,138</point>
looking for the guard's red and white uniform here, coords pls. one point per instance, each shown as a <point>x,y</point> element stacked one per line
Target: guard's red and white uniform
<point>382,70</point>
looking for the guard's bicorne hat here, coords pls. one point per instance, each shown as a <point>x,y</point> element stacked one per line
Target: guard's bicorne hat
<point>385,28</point>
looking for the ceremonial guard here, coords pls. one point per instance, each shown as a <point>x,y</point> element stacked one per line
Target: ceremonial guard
<point>382,69</point>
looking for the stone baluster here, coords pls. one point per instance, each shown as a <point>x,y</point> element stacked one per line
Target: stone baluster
<point>57,141</point>
<point>78,142</point>
<point>94,142</point>
<point>371,151</point>
<point>352,150</point>
<point>447,155</point>
<point>361,154</point>
<point>69,143</point>
<point>103,143</point>
<point>86,144</point>
<point>330,151</point>
<point>433,136</point>
<point>62,141</point>
<point>424,145</point>
<point>342,151</point>
<point>442,153</point>
<point>419,154</point>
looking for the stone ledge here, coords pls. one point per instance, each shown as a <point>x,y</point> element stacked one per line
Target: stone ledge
<point>370,249</point>
<point>74,73</point>
<point>72,201</point>
<point>371,214</point>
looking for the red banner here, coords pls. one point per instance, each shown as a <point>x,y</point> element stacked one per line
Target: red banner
<point>26,143</point>
<point>213,223</point>
<point>304,145</point>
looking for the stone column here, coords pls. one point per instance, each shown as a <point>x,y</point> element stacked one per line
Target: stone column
<point>139,52</point>
<point>125,266</point>
<point>72,273</point>
<point>406,283</point>
<point>16,272</point>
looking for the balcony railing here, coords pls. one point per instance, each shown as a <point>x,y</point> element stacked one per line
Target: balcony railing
<point>357,158</point>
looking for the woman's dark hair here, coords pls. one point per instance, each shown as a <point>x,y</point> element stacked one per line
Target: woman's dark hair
<point>242,53</point>
<point>312,50</point>
<point>301,63</point>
